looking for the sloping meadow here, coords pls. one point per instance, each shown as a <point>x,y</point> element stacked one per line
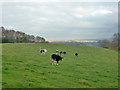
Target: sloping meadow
<point>23,66</point>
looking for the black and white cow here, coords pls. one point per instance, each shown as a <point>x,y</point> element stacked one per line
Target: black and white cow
<point>43,51</point>
<point>57,52</point>
<point>61,53</point>
<point>56,58</point>
<point>64,53</point>
<point>76,55</point>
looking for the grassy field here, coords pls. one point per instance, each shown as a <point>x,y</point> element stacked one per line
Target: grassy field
<point>24,67</point>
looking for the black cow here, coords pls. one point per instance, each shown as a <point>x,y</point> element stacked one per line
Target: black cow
<point>61,53</point>
<point>76,54</point>
<point>56,58</point>
<point>64,53</point>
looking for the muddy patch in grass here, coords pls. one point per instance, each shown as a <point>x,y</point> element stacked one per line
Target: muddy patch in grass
<point>44,78</point>
<point>26,68</point>
<point>8,63</point>
<point>32,71</point>
<point>6,69</point>
<point>53,72</point>
<point>42,73</point>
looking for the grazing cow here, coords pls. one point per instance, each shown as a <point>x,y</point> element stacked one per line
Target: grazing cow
<point>57,52</point>
<point>43,51</point>
<point>64,53</point>
<point>56,58</point>
<point>40,49</point>
<point>61,53</point>
<point>76,55</point>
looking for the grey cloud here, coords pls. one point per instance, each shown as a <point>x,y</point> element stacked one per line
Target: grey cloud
<point>49,19</point>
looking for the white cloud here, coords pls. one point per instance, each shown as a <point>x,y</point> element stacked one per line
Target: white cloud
<point>79,16</point>
<point>43,19</point>
<point>81,11</point>
<point>101,12</point>
<point>59,0</point>
<point>10,27</point>
<point>51,17</point>
<point>105,11</point>
<point>26,8</point>
<point>0,14</point>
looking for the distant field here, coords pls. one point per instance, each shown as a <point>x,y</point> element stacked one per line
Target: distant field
<point>24,67</point>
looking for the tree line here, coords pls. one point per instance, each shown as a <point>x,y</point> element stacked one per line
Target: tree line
<point>113,44</point>
<point>11,36</point>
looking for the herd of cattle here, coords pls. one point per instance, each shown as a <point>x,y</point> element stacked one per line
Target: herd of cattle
<point>56,57</point>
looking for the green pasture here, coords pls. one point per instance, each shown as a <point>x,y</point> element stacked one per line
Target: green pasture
<point>24,67</point>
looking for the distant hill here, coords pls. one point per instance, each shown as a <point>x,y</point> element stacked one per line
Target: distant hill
<point>97,39</point>
<point>72,41</point>
<point>12,36</point>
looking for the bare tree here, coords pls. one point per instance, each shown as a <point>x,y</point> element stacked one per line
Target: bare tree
<point>104,43</point>
<point>116,41</point>
<point>16,36</point>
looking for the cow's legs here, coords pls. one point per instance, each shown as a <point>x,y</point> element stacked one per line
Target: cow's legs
<point>52,61</point>
<point>57,62</point>
<point>41,53</point>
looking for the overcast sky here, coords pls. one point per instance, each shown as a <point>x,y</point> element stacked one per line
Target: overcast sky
<point>62,20</point>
